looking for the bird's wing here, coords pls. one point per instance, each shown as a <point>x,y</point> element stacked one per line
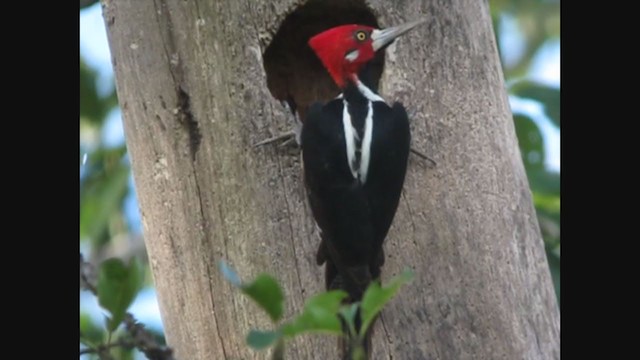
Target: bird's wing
<point>390,152</point>
<point>338,202</point>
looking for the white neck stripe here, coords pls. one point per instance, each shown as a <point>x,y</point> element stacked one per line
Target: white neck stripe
<point>366,144</point>
<point>364,90</point>
<point>358,170</point>
<point>349,137</point>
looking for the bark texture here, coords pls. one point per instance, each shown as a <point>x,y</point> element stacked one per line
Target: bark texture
<point>194,98</point>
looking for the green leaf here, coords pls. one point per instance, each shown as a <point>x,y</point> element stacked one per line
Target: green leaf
<point>94,107</point>
<point>122,353</point>
<point>548,96</point>
<point>262,339</point>
<point>90,333</point>
<point>320,314</point>
<point>550,226</point>
<point>550,203</point>
<point>266,291</point>
<point>531,143</point>
<point>553,258</point>
<point>118,286</point>
<point>376,297</point>
<point>544,182</point>
<point>102,193</point>
<point>349,315</point>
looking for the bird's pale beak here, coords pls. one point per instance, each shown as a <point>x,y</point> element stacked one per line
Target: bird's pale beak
<point>382,37</point>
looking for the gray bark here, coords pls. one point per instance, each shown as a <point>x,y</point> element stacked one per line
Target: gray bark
<point>194,99</point>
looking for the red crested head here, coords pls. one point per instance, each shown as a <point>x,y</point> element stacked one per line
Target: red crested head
<point>344,49</point>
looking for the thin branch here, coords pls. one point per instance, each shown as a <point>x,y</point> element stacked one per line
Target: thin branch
<point>125,343</point>
<point>87,276</point>
<point>424,157</point>
<point>138,336</point>
<point>284,136</point>
<point>145,341</point>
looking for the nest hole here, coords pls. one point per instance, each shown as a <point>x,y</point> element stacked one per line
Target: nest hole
<point>294,72</point>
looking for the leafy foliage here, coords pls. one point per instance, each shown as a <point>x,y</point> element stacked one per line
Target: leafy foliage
<point>103,189</point>
<point>323,313</point>
<point>320,314</point>
<point>93,107</point>
<point>377,296</point>
<point>546,95</point>
<point>105,174</point>
<point>538,24</point>
<point>104,186</point>
<point>259,339</point>
<point>266,292</point>
<point>90,333</point>
<point>118,285</point>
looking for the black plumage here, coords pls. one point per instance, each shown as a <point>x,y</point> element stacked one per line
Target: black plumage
<point>354,216</point>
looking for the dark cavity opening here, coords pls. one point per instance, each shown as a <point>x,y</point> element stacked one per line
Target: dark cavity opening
<point>294,72</point>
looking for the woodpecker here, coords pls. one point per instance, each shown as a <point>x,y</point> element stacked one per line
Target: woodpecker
<point>355,150</point>
<point>295,75</point>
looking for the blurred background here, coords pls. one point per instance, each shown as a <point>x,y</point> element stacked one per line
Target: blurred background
<point>528,34</point>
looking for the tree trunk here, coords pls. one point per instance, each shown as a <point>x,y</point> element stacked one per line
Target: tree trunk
<point>193,93</point>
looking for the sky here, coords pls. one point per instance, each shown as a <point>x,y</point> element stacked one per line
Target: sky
<point>95,51</point>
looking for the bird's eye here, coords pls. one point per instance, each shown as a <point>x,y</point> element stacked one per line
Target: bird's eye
<point>361,35</point>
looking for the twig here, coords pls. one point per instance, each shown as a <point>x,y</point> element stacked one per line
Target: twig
<point>145,341</point>
<point>87,276</point>
<point>288,135</point>
<point>424,157</point>
<point>139,337</point>
<point>125,343</point>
